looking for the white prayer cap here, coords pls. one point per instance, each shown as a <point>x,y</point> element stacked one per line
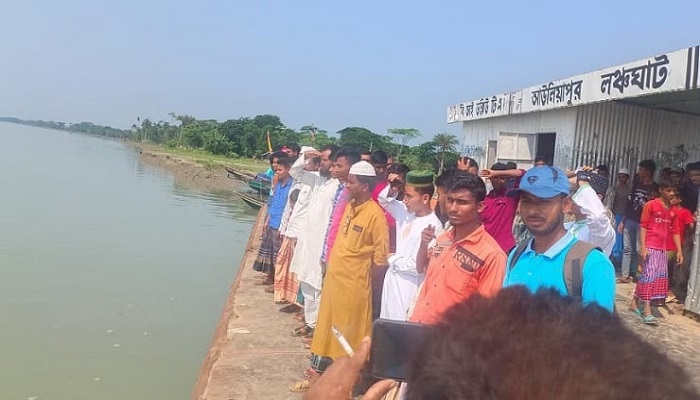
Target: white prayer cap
<point>624,171</point>
<point>362,168</point>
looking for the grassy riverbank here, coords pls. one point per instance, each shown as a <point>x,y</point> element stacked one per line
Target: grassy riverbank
<point>205,158</point>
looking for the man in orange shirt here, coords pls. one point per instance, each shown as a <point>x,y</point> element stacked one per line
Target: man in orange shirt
<point>464,260</point>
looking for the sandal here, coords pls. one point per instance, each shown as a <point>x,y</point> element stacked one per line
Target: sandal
<point>649,320</point>
<point>637,311</point>
<point>623,280</point>
<point>310,373</point>
<point>301,386</point>
<point>289,308</point>
<point>307,340</point>
<point>302,331</point>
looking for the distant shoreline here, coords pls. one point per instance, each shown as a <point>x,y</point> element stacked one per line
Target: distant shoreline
<point>82,127</point>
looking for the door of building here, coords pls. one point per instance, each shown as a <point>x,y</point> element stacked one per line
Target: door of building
<point>545,146</point>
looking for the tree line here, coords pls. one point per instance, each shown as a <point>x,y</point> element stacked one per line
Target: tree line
<point>82,127</point>
<point>248,137</point>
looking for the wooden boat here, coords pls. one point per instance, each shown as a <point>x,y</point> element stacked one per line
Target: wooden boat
<point>252,201</point>
<point>260,186</point>
<point>245,176</point>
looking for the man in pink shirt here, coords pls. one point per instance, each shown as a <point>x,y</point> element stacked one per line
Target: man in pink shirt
<point>340,169</point>
<point>499,208</point>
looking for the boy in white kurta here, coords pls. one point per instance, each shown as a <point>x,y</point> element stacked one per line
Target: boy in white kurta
<point>412,215</point>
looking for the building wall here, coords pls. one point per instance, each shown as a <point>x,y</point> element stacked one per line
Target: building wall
<point>562,122</point>
<point>621,135</point>
<point>613,133</point>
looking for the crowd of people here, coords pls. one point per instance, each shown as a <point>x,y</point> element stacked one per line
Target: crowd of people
<point>350,237</point>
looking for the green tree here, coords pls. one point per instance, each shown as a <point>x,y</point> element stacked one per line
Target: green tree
<point>444,143</point>
<point>362,139</point>
<point>401,137</point>
<point>310,135</point>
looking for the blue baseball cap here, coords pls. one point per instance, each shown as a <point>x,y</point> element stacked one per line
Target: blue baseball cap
<point>544,182</point>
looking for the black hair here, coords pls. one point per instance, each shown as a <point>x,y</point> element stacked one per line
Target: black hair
<point>366,153</point>
<point>286,161</point>
<point>293,196</point>
<point>370,181</point>
<point>349,154</point>
<point>603,168</point>
<point>536,346</point>
<point>470,182</point>
<point>469,162</point>
<point>447,175</point>
<point>379,157</point>
<point>649,165</point>
<point>398,168</point>
<point>693,166</point>
<point>294,147</point>
<point>511,165</point>
<point>278,155</point>
<point>429,190</point>
<point>332,147</point>
<point>665,183</point>
<point>541,159</point>
<point>499,167</point>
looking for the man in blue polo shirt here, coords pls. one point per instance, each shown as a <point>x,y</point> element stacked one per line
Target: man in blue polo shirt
<point>544,199</point>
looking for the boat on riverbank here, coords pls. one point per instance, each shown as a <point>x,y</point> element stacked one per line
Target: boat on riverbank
<point>260,183</point>
<point>254,202</point>
<point>241,175</point>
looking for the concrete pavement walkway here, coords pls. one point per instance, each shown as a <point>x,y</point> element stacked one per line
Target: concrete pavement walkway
<point>253,356</point>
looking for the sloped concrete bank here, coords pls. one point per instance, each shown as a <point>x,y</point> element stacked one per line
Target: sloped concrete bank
<point>252,355</point>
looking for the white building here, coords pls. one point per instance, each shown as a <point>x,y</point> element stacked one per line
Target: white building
<point>616,116</point>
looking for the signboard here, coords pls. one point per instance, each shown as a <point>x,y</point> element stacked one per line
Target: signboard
<point>663,73</point>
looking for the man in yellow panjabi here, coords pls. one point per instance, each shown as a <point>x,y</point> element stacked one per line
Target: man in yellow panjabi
<point>360,249</point>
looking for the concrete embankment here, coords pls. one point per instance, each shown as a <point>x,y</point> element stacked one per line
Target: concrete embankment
<point>252,355</point>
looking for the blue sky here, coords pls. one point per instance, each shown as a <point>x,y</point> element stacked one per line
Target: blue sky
<point>378,64</point>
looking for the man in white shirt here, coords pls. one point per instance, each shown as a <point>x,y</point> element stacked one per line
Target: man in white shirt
<point>593,223</point>
<point>305,261</point>
<point>412,216</point>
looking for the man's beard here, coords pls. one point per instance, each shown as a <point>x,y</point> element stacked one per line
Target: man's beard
<point>326,173</point>
<point>550,228</point>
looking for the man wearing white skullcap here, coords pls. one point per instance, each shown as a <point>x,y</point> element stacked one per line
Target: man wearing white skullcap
<point>360,248</point>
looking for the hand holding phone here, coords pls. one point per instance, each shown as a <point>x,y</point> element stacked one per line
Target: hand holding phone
<point>394,346</point>
<point>337,382</point>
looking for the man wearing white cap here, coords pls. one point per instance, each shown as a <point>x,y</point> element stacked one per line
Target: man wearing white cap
<point>619,208</point>
<point>361,246</point>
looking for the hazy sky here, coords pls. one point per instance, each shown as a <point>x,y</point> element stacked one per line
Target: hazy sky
<point>378,64</point>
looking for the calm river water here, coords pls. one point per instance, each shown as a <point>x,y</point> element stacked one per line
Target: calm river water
<point>113,278</point>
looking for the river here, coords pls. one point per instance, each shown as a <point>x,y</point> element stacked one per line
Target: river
<point>113,276</point>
